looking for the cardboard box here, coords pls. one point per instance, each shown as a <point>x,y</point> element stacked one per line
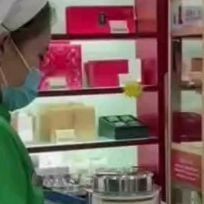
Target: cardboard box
<point>105,73</point>
<point>70,122</point>
<point>196,64</point>
<point>187,173</point>
<point>85,122</point>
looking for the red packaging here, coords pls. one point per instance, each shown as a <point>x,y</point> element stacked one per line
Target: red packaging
<point>186,172</point>
<point>101,20</point>
<point>62,61</point>
<point>105,73</point>
<point>187,127</point>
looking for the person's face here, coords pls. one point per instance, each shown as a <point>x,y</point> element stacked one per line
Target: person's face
<point>32,51</point>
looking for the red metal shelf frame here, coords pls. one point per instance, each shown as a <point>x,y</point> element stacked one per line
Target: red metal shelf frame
<point>152,153</point>
<point>105,37</point>
<point>151,106</point>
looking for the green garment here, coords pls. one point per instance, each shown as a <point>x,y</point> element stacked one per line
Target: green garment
<point>17,177</point>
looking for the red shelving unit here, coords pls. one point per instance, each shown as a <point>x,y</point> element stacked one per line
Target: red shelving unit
<point>152,47</point>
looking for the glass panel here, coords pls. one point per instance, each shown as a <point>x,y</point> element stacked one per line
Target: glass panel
<point>186,102</point>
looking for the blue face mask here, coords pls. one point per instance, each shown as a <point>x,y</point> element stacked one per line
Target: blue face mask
<point>18,97</point>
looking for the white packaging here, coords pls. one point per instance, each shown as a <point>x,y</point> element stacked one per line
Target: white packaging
<point>118,26</point>
<point>25,127</point>
<point>57,82</point>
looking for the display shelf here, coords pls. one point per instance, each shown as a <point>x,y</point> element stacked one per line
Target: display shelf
<point>89,91</point>
<point>188,32</point>
<point>188,86</point>
<point>102,37</point>
<point>98,143</point>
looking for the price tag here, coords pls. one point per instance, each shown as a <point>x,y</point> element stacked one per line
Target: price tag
<point>118,26</point>
<point>57,82</point>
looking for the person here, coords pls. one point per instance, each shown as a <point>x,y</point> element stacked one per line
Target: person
<point>24,38</point>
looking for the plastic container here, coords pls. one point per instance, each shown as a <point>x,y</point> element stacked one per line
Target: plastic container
<point>60,198</point>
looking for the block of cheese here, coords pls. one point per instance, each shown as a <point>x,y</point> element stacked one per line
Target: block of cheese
<point>85,122</point>
<point>63,135</point>
<point>43,134</point>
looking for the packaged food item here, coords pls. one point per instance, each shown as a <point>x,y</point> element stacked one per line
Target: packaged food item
<point>104,73</point>
<point>85,122</point>
<point>125,127</point>
<point>100,20</point>
<point>24,124</point>
<point>72,122</point>
<point>187,172</point>
<point>196,64</point>
<point>62,67</point>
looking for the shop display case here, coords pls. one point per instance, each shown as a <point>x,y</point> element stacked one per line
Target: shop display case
<point>86,74</point>
<point>186,103</point>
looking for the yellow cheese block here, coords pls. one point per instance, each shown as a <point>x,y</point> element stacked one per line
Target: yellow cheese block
<point>64,135</point>
<point>85,124</point>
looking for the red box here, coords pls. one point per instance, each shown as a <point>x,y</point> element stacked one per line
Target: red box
<point>186,172</point>
<point>62,60</point>
<point>187,127</point>
<point>105,73</point>
<point>96,20</point>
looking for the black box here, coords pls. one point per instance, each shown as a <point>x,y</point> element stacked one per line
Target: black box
<point>122,127</point>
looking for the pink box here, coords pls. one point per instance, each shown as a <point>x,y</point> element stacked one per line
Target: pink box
<point>98,20</point>
<point>105,73</point>
<point>62,61</point>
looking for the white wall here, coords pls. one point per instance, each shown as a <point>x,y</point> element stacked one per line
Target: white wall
<point>191,102</point>
<point>107,49</point>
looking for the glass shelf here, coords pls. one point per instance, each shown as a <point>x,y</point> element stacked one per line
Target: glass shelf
<point>187,32</point>
<point>101,142</point>
<point>91,91</point>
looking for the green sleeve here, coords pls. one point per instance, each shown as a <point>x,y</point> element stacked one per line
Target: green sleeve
<point>13,182</point>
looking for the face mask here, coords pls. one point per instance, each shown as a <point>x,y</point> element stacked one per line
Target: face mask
<point>18,97</point>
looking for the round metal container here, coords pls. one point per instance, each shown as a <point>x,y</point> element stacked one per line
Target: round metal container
<point>123,182</point>
<point>148,198</point>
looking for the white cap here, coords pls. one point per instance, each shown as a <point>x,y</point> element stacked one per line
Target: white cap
<point>16,13</point>
<point>5,6</point>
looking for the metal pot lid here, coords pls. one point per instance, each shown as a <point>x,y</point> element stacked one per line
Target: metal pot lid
<point>128,173</point>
